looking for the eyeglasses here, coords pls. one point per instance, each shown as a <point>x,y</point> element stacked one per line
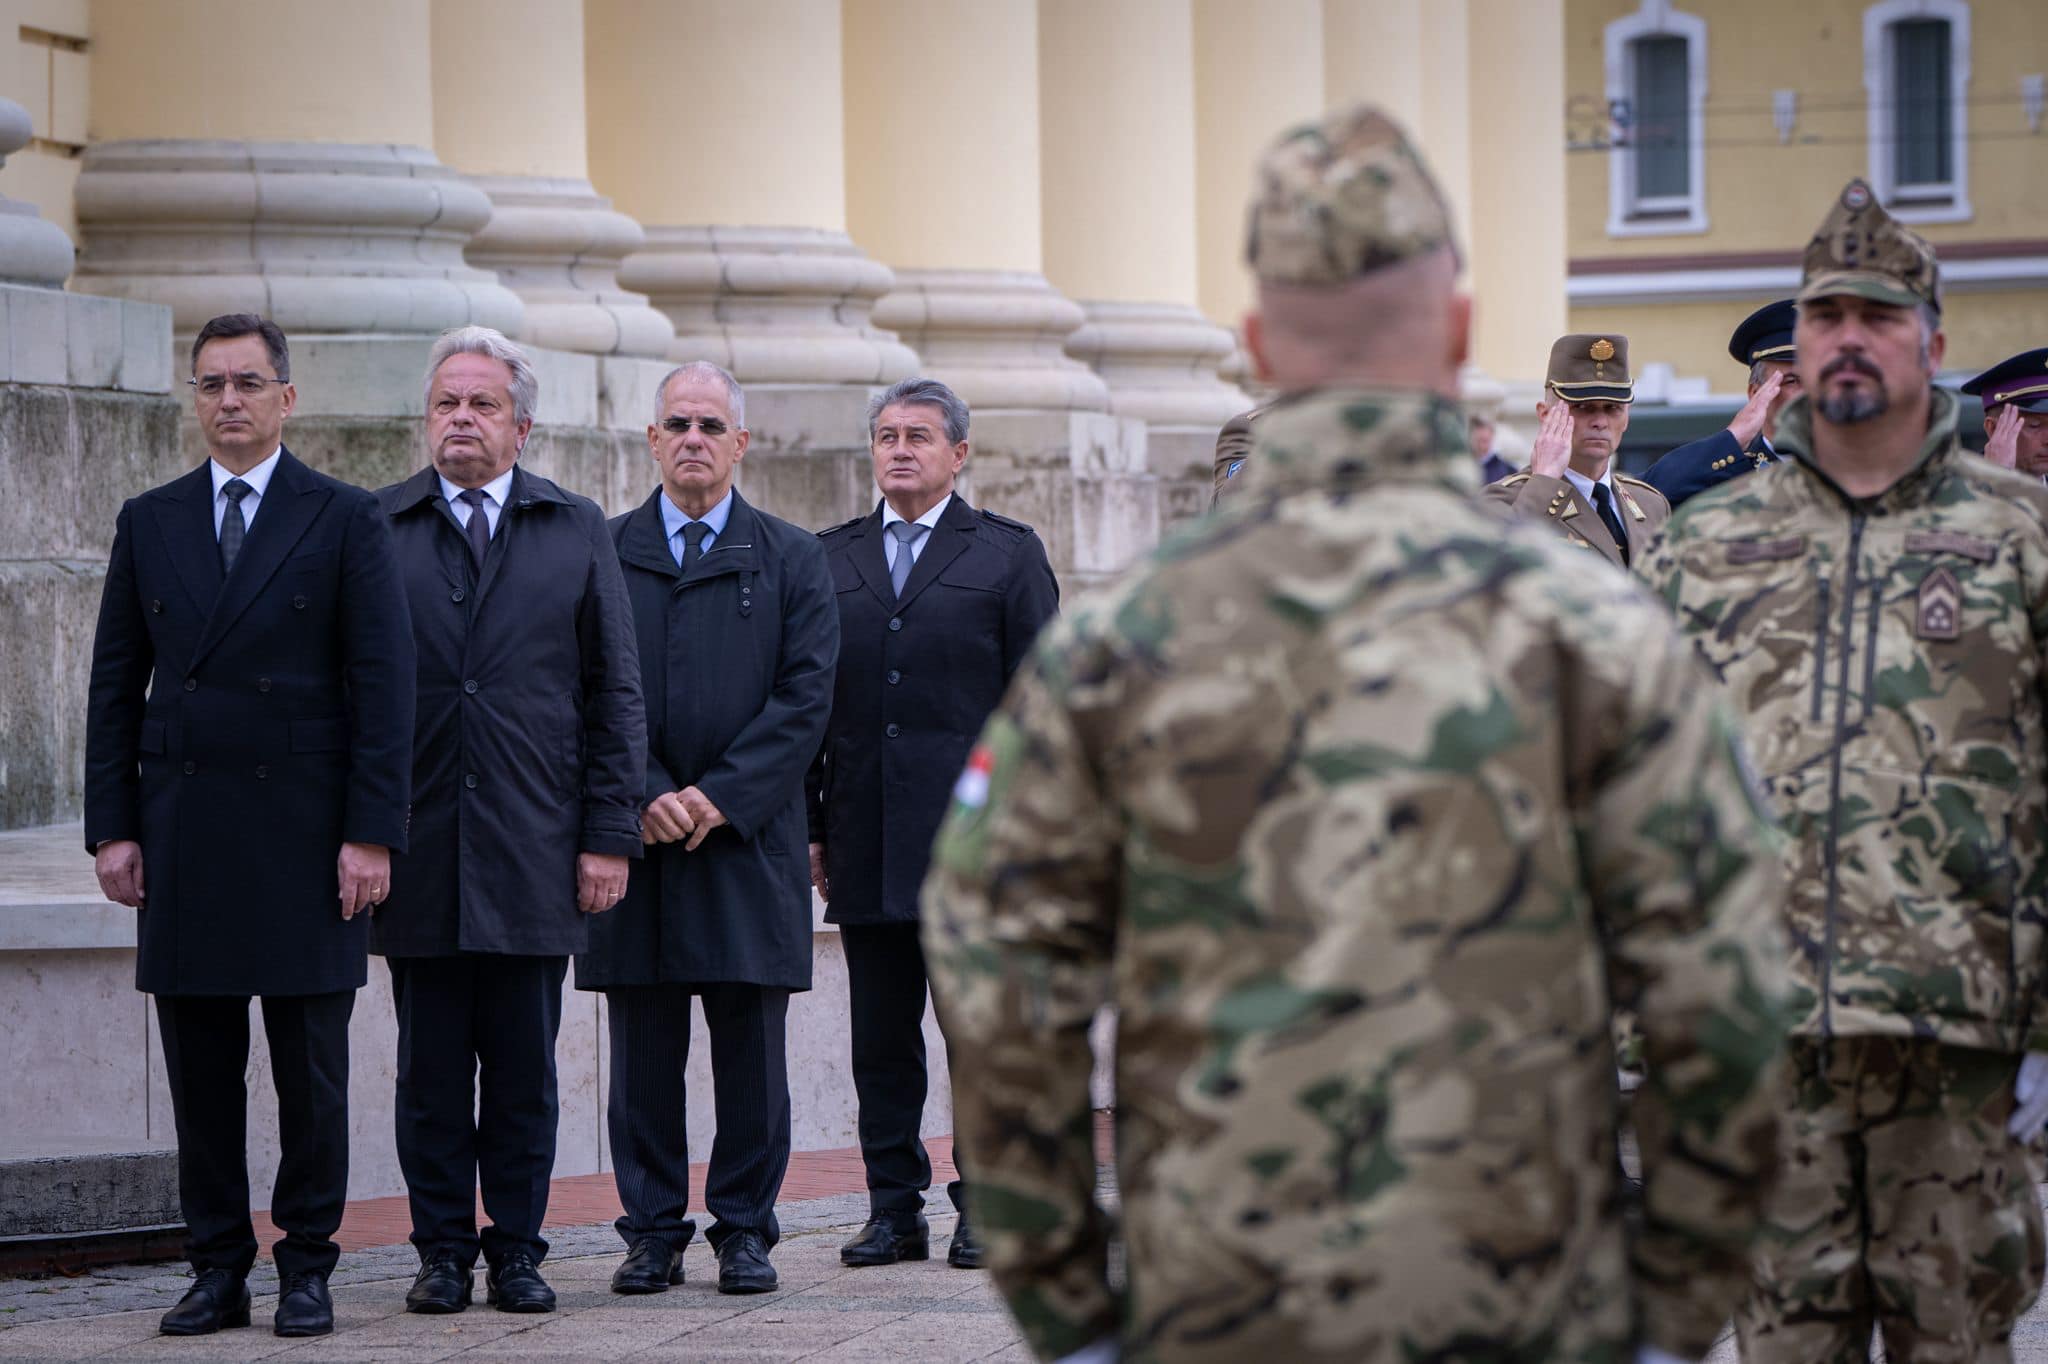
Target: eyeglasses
<point>712,427</point>
<point>248,385</point>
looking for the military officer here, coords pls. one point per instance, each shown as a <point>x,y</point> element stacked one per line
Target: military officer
<point>1570,482</point>
<point>2015,394</point>
<point>1354,807</point>
<point>1877,608</point>
<point>1764,343</point>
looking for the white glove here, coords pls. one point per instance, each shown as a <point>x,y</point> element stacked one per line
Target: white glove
<point>1650,1354</point>
<point>1103,1351</point>
<point>2030,1098</point>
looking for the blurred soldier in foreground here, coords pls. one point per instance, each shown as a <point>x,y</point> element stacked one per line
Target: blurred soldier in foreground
<point>1764,343</point>
<point>1355,806</point>
<point>2015,394</point>
<point>1233,445</point>
<point>1571,483</point>
<point>1876,606</point>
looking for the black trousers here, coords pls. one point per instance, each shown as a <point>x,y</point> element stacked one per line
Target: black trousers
<point>461,1019</point>
<point>886,985</point>
<point>646,1112</point>
<point>206,1052</point>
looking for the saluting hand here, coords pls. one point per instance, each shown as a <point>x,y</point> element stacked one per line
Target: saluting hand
<point>118,864</point>
<point>600,881</point>
<point>1551,454</point>
<point>1749,422</point>
<point>704,816</point>
<point>2003,446</point>
<point>364,870</point>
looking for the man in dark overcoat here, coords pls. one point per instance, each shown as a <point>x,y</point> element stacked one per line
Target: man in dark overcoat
<point>938,604</point>
<point>526,783</point>
<point>732,609</point>
<point>248,737</point>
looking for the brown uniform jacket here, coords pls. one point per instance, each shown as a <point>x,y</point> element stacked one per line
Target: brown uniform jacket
<point>1531,497</point>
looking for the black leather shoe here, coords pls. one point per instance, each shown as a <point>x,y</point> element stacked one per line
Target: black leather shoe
<point>514,1284</point>
<point>743,1264</point>
<point>219,1298</point>
<point>649,1267</point>
<point>443,1285</point>
<point>885,1240</point>
<point>965,1250</point>
<point>303,1307</point>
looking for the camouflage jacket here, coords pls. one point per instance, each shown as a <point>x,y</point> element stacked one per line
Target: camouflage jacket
<point>1362,809</point>
<point>1886,658</point>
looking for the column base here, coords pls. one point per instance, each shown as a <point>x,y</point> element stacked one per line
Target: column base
<point>558,244</point>
<point>774,305</point>
<point>32,251</point>
<point>1078,478</point>
<point>1160,362</point>
<point>996,337</point>
<point>316,236</point>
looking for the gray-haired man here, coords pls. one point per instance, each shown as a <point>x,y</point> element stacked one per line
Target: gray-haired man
<point>938,603</point>
<point>527,767</point>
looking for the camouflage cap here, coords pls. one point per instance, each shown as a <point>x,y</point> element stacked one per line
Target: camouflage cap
<point>1862,250</point>
<point>1340,198</point>
<point>1589,368</point>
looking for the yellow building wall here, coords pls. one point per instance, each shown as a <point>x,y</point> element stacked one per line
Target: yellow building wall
<point>1764,196</point>
<point>48,76</point>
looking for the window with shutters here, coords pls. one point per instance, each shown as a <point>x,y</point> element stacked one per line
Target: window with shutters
<point>1916,75</point>
<point>1656,97</point>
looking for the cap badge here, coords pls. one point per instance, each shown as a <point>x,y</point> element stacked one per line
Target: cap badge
<point>1857,195</point>
<point>1603,349</point>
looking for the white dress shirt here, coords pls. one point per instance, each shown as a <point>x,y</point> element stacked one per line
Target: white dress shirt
<point>1585,486</point>
<point>257,478</point>
<point>495,492</point>
<point>890,544</point>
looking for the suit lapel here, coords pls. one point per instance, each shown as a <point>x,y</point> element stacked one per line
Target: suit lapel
<point>1585,523</point>
<point>289,505</point>
<point>871,561</point>
<point>187,528</point>
<point>948,542</point>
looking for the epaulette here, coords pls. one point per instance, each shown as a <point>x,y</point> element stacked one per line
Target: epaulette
<point>1637,483</point>
<point>1005,522</point>
<point>1512,480</point>
<point>843,525</point>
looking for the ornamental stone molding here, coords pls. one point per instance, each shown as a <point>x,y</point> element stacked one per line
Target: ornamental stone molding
<point>318,236</point>
<point>778,305</point>
<point>557,244</point>
<point>32,251</point>
<point>996,336</point>
<point>1160,361</point>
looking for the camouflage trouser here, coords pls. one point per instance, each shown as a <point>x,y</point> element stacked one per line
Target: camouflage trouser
<point>1900,1201</point>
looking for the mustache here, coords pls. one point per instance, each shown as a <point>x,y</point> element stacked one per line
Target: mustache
<point>1852,362</point>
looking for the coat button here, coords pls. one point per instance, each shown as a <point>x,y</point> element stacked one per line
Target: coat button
<point>469,685</point>
<point>298,603</point>
<point>893,730</point>
<point>190,768</point>
<point>157,606</point>
<point>746,591</point>
<point>263,684</point>
<point>191,684</point>
<point>895,622</point>
<point>261,771</point>
<point>894,677</point>
<point>469,780</point>
<point>456,595</point>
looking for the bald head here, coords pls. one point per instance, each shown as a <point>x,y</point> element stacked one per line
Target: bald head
<point>1400,326</point>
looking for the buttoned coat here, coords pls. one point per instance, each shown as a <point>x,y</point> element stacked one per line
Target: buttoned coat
<point>1698,465</point>
<point>736,660</point>
<point>276,725</point>
<point>917,679</point>
<point>531,738</point>
<point>1555,501</point>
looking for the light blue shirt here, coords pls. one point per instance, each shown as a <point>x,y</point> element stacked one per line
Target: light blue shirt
<point>495,492</point>
<point>673,520</point>
<point>890,544</point>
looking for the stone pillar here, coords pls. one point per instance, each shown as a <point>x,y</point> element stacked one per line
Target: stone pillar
<point>521,139</point>
<point>744,203</point>
<point>1117,98</point>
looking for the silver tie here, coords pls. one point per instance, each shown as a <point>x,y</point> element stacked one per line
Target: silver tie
<point>907,533</point>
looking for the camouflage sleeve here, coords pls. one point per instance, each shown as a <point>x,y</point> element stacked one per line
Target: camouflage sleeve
<point>1684,867</point>
<point>1019,925</point>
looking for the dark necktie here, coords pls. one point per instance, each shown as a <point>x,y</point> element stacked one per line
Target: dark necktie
<point>479,528</point>
<point>234,527</point>
<point>907,533</point>
<point>693,542</point>
<point>1603,502</point>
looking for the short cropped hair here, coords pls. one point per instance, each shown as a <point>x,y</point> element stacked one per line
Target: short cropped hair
<point>228,326</point>
<point>735,396</point>
<point>495,345</point>
<point>929,392</point>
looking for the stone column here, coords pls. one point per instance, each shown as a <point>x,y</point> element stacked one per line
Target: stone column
<point>743,197</point>
<point>1117,97</point>
<point>509,113</point>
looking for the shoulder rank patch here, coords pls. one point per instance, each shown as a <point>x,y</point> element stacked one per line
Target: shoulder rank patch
<point>1940,614</point>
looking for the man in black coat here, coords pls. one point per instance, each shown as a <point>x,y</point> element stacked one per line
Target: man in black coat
<point>526,783</point>
<point>1763,341</point>
<point>247,742</point>
<point>732,609</point>
<point>938,604</point>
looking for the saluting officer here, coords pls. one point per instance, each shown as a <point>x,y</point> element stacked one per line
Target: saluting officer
<point>2015,394</point>
<point>1763,342</point>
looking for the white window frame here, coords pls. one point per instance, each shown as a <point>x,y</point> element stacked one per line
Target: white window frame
<point>1881,98</point>
<point>1673,216</point>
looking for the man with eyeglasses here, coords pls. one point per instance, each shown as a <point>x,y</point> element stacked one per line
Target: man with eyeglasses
<point>248,765</point>
<point>732,609</point>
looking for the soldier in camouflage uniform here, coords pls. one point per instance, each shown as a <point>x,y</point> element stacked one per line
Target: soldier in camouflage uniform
<point>1877,608</point>
<point>1361,809</point>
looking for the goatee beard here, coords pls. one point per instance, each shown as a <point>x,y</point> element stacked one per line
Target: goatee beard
<point>1846,409</point>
